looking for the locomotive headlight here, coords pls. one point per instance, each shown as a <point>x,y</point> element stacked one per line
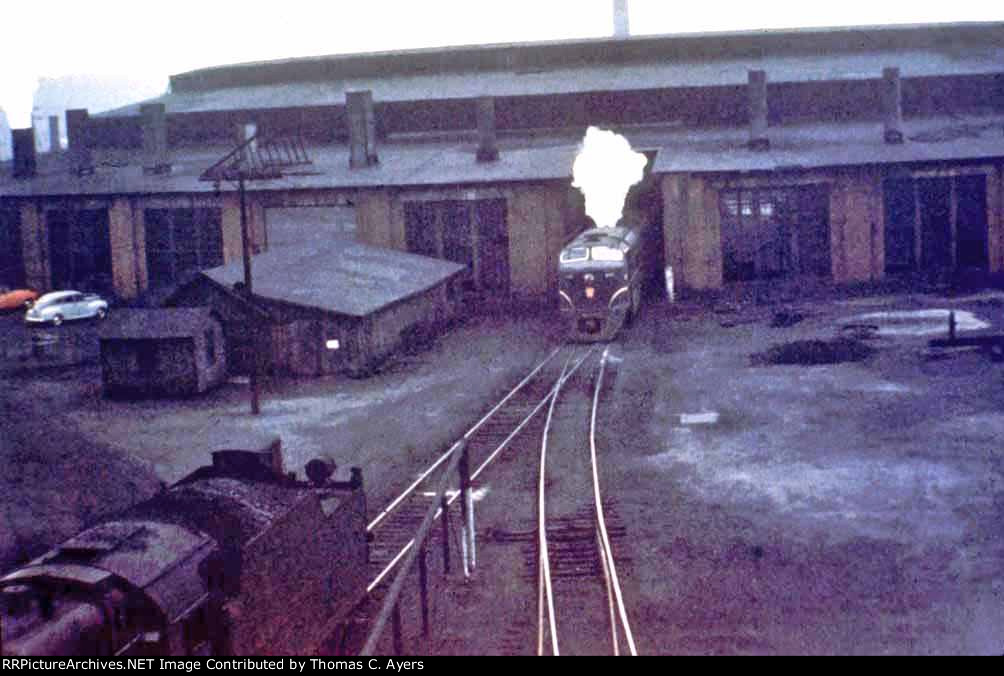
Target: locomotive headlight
<point>590,292</point>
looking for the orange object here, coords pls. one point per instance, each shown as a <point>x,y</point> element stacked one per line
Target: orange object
<point>18,299</point>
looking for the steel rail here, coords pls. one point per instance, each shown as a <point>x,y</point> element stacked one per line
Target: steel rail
<point>609,569</point>
<point>546,592</point>
<point>396,502</point>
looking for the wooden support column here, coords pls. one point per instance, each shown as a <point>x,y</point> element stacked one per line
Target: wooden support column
<point>995,220</point>
<point>35,247</point>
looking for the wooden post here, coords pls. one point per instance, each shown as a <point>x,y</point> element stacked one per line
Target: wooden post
<point>246,253</point>
<point>444,506</point>
<point>398,639</point>
<point>423,585</point>
<point>951,326</point>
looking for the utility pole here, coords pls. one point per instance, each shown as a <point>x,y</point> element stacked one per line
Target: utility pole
<point>254,159</point>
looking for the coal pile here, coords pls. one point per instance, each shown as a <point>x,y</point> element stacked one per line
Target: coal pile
<point>814,352</point>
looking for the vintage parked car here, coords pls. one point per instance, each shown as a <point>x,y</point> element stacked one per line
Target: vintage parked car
<point>16,299</point>
<point>58,306</point>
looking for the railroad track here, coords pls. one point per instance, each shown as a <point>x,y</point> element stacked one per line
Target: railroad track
<point>577,544</point>
<point>392,530</point>
<point>576,571</point>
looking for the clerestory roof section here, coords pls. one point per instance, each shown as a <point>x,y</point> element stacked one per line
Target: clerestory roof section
<point>579,66</point>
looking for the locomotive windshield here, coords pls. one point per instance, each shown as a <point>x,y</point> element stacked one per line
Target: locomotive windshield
<point>574,253</point>
<point>606,253</point>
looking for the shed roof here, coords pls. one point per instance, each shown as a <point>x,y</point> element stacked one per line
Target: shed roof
<point>403,163</point>
<point>338,275</point>
<point>832,145</point>
<point>156,323</point>
<point>543,156</point>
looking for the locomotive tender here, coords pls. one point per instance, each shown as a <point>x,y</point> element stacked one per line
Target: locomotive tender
<point>600,277</point>
<point>237,558</point>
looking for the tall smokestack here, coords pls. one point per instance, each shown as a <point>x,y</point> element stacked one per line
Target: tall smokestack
<point>622,27</point>
<point>23,141</point>
<point>362,129</point>
<point>892,105</point>
<point>757,87</point>
<point>488,150</point>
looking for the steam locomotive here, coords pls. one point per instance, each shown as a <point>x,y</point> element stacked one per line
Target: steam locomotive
<point>600,277</point>
<point>237,558</point>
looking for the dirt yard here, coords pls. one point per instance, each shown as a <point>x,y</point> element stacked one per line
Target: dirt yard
<point>852,507</point>
<point>839,492</point>
<point>847,508</point>
<point>71,456</point>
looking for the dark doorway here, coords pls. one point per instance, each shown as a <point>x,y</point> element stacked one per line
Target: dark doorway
<point>457,243</point>
<point>937,223</point>
<point>900,217</point>
<point>775,232</point>
<point>493,244</point>
<point>11,256</point>
<point>420,228</point>
<point>934,196</point>
<point>80,249</point>
<point>971,222</point>
<point>472,233</point>
<point>180,242</point>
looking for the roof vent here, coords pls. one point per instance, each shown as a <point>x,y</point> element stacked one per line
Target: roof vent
<point>488,150</point>
<point>757,88</point>
<point>25,159</point>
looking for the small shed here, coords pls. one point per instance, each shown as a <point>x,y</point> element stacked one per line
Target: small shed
<point>162,352</point>
<point>322,306</point>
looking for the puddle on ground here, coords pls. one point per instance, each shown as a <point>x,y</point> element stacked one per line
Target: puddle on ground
<point>918,322</point>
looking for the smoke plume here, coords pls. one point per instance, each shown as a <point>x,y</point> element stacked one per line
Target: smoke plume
<point>604,170</point>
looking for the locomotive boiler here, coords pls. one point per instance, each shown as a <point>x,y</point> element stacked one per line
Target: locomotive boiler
<point>238,558</point>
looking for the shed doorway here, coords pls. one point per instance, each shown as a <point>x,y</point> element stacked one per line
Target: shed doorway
<point>936,223</point>
<point>470,232</point>
<point>775,232</point>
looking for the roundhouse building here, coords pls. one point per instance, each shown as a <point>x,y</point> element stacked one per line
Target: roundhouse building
<point>840,155</point>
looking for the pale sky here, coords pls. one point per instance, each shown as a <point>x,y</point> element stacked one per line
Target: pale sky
<point>150,40</point>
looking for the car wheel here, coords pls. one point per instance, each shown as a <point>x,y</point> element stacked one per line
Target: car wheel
<point>102,313</point>
<point>57,320</point>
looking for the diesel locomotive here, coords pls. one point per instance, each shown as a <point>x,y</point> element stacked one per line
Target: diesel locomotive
<point>238,558</point>
<point>601,273</point>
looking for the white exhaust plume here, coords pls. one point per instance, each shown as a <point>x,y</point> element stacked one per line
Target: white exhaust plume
<point>604,171</point>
